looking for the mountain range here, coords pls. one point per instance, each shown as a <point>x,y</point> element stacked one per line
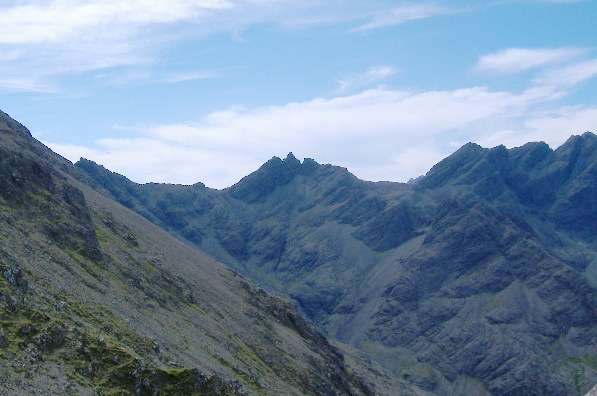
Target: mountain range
<point>477,278</point>
<point>95,299</point>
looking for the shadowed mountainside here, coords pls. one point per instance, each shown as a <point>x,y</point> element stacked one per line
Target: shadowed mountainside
<point>477,278</point>
<point>95,299</point>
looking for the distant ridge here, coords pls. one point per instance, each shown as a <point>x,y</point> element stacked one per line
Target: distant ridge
<point>95,299</point>
<point>477,278</point>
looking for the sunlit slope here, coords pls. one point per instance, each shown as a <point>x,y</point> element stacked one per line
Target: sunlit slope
<point>95,299</point>
<point>478,277</point>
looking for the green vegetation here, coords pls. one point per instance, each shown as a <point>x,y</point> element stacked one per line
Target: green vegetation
<point>93,298</point>
<point>589,360</point>
<point>98,349</point>
<point>471,272</point>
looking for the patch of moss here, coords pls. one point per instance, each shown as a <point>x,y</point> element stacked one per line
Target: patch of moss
<point>114,371</point>
<point>589,360</point>
<point>183,382</point>
<point>97,350</point>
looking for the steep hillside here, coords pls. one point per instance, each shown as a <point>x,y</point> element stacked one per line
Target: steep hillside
<point>478,278</point>
<point>94,299</point>
<point>555,191</point>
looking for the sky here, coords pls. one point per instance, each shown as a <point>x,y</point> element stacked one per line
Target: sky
<point>187,91</point>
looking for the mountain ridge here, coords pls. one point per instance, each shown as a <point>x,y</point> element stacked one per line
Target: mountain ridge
<point>478,278</point>
<point>444,281</point>
<point>95,299</point>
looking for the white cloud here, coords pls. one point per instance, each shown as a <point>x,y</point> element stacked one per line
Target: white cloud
<point>401,14</point>
<point>379,134</point>
<point>153,160</point>
<point>58,20</point>
<point>514,60</point>
<point>373,75</point>
<point>189,75</point>
<point>346,117</point>
<point>26,84</point>
<point>553,127</point>
<point>144,75</point>
<point>556,126</point>
<point>570,74</point>
<point>46,40</point>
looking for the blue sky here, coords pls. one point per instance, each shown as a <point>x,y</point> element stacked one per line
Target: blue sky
<point>186,91</point>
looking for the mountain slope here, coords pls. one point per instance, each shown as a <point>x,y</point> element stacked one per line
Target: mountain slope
<point>94,299</point>
<point>554,190</point>
<point>479,277</point>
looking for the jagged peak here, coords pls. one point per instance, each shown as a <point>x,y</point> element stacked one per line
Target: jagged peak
<point>585,137</point>
<point>290,162</point>
<point>577,143</point>
<point>533,146</point>
<point>274,173</point>
<point>470,147</point>
<point>472,163</point>
<point>500,147</point>
<point>275,160</point>
<point>447,168</point>
<point>531,155</point>
<point>291,159</point>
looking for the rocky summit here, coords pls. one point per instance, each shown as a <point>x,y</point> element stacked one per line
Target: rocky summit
<point>478,278</point>
<point>96,300</point>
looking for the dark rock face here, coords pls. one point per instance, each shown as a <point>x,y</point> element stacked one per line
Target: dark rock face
<point>559,183</point>
<point>471,306</point>
<point>35,190</point>
<point>94,299</point>
<point>273,174</point>
<point>485,268</point>
<point>391,227</point>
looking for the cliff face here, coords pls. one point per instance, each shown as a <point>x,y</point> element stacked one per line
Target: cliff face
<point>95,299</point>
<point>479,277</point>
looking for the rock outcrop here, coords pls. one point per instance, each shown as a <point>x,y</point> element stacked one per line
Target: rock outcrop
<point>95,299</point>
<point>477,278</point>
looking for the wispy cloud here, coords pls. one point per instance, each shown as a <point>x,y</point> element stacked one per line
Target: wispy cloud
<point>401,14</point>
<point>570,74</point>
<point>58,20</point>
<point>147,76</point>
<point>25,84</point>
<point>373,75</point>
<point>46,40</point>
<point>189,75</point>
<point>553,127</point>
<point>513,60</point>
<point>377,134</point>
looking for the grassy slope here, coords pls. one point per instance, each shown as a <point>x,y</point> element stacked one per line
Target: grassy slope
<point>95,298</point>
<point>438,290</point>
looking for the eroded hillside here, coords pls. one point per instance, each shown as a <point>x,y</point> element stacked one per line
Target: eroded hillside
<point>95,299</point>
<point>478,278</point>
